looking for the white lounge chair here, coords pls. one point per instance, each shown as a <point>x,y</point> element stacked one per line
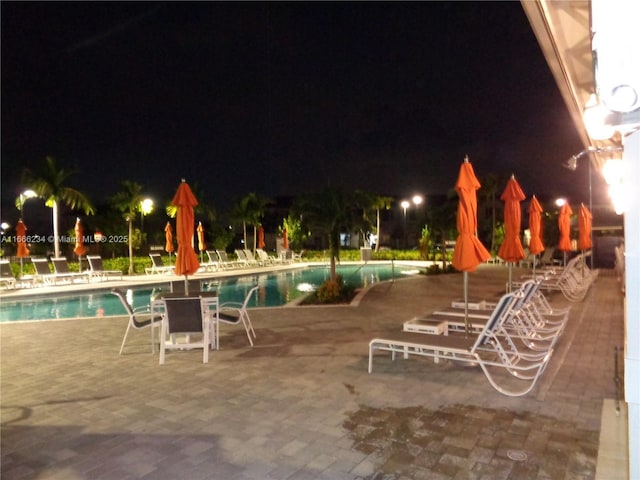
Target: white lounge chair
<point>45,275</point>
<point>6,274</point>
<point>250,258</point>
<point>492,349</point>
<point>96,269</point>
<point>225,262</point>
<point>265,258</point>
<point>158,266</point>
<point>61,267</point>
<point>212,263</point>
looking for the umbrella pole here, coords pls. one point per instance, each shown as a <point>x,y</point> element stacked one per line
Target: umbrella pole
<point>20,267</point>
<point>465,277</point>
<point>186,285</point>
<point>510,270</point>
<point>534,265</point>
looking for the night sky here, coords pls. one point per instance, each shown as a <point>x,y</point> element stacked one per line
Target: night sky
<point>280,99</point>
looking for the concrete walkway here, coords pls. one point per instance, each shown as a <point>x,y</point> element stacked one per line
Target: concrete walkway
<point>300,404</point>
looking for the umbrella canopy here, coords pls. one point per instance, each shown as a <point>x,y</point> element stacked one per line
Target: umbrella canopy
<point>186,258</point>
<point>261,243</point>
<point>285,239</point>
<point>168,237</point>
<point>511,249</point>
<point>469,251</point>
<point>584,228</point>
<point>201,245</point>
<point>535,226</point>
<point>564,225</point>
<point>80,248</point>
<point>21,233</point>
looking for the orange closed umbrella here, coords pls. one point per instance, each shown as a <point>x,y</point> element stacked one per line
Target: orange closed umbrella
<point>285,239</point>
<point>469,251</point>
<point>201,245</point>
<point>80,248</point>
<point>261,243</point>
<point>564,226</point>
<point>584,233</point>
<point>535,227</point>
<point>584,228</point>
<point>23,251</point>
<point>186,258</point>
<point>168,238</point>
<point>511,249</point>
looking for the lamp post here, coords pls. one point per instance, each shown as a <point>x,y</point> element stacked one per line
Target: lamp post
<point>98,238</point>
<point>572,164</point>
<point>146,207</point>
<point>404,204</point>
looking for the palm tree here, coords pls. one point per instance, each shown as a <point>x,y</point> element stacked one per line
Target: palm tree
<point>330,212</point>
<point>379,202</point>
<point>128,201</point>
<point>49,184</point>
<point>249,211</point>
<point>203,209</point>
<point>442,215</point>
<point>488,194</point>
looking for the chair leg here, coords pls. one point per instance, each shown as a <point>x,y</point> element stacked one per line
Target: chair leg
<point>125,337</point>
<point>250,324</point>
<point>163,336</point>
<point>206,341</point>
<point>247,327</point>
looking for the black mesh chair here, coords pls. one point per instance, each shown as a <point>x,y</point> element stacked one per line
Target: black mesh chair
<point>184,317</point>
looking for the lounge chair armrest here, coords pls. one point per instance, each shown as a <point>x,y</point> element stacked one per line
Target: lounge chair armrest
<point>231,305</point>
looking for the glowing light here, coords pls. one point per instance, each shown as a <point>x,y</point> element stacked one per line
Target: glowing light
<point>619,194</point>
<point>306,287</point>
<point>613,171</point>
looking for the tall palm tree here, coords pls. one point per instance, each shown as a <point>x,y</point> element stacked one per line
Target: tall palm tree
<point>49,184</point>
<point>488,193</point>
<point>330,212</point>
<point>128,201</point>
<point>380,202</point>
<point>249,211</point>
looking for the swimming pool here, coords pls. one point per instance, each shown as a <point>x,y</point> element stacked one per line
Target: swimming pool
<point>276,289</point>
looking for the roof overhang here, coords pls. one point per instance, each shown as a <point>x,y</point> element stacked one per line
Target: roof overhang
<point>563,30</point>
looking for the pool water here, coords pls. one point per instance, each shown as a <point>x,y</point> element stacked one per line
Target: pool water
<point>276,289</point>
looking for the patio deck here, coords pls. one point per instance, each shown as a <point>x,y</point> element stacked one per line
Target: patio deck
<point>301,405</point>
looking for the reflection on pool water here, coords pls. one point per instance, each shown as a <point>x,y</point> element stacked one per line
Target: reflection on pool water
<point>276,289</point>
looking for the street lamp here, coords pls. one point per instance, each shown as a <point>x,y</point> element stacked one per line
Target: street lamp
<point>146,207</point>
<point>98,238</point>
<point>404,204</point>
<point>23,197</point>
<point>572,164</point>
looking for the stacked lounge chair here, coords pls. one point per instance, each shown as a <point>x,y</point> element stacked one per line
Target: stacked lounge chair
<point>516,338</point>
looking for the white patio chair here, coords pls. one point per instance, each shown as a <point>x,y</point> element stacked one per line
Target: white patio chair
<point>184,317</point>
<point>235,313</point>
<point>139,319</point>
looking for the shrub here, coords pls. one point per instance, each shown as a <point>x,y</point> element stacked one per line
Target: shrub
<point>331,292</point>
